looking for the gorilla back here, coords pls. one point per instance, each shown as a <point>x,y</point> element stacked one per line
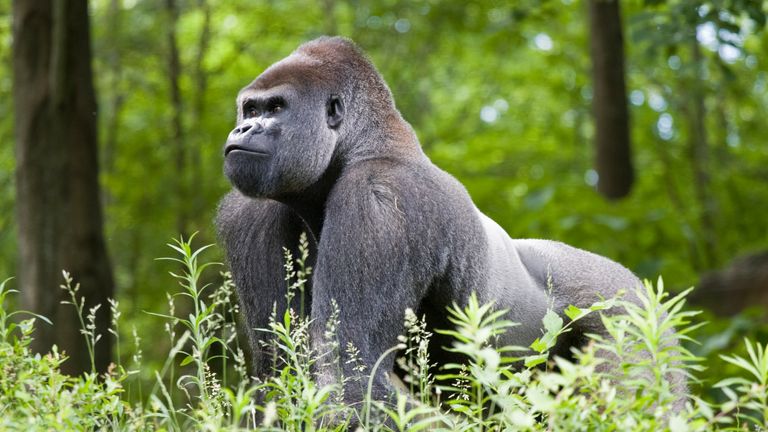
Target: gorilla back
<point>319,147</point>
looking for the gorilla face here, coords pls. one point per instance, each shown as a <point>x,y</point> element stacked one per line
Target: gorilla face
<point>284,139</point>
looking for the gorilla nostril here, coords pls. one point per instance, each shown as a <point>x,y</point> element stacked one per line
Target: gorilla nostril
<point>243,129</point>
<point>257,129</point>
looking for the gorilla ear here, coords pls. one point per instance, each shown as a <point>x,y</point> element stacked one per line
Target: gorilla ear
<point>334,111</point>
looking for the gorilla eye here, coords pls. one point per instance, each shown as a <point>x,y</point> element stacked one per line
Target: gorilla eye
<point>275,105</point>
<point>250,111</point>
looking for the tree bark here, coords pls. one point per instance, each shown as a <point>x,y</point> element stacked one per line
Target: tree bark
<point>117,97</point>
<point>58,208</point>
<point>698,147</point>
<point>200,75</point>
<point>177,127</point>
<point>613,155</point>
<point>330,25</point>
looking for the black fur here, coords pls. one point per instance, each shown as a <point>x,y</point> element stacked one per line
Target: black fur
<point>389,229</point>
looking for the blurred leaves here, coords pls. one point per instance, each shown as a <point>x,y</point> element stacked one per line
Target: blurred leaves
<point>498,92</point>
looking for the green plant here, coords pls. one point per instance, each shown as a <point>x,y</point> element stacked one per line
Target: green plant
<point>749,397</point>
<point>35,395</point>
<point>496,388</point>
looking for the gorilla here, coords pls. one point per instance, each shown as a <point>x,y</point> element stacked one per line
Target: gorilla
<point>319,147</point>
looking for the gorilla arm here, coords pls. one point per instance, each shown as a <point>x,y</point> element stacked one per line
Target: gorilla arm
<point>254,232</point>
<point>367,265</point>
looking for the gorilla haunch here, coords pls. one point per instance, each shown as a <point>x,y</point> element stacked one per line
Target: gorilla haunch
<point>320,148</point>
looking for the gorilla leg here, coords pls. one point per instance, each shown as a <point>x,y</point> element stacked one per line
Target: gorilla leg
<point>581,278</point>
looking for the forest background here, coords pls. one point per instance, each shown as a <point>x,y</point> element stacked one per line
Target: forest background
<point>501,95</point>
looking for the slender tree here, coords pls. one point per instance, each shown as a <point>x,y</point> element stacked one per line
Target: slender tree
<point>116,98</point>
<point>200,75</point>
<point>177,126</point>
<point>57,191</point>
<point>613,155</point>
<point>699,153</point>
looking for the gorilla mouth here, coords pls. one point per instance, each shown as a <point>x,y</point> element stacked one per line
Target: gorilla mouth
<point>242,149</point>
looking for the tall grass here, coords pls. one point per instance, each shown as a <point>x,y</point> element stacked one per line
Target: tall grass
<point>203,383</point>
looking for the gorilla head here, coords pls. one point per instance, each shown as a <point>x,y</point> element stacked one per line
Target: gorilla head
<point>300,115</point>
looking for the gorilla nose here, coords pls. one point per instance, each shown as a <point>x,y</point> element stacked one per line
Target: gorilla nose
<point>253,128</point>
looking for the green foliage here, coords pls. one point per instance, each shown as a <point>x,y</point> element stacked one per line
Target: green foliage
<point>618,382</point>
<point>498,92</point>
<point>87,322</point>
<point>500,97</point>
<point>750,396</point>
<point>34,395</point>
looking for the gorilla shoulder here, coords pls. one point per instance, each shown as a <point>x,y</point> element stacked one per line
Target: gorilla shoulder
<point>412,189</point>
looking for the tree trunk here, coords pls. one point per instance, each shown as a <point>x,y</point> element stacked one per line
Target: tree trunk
<point>117,97</point>
<point>58,209</point>
<point>698,147</point>
<point>613,158</point>
<point>196,201</point>
<point>177,127</point>
<point>329,12</point>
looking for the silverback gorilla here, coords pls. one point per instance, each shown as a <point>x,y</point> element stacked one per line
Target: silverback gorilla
<point>319,147</point>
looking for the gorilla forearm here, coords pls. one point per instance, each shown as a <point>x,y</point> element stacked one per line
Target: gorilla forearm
<point>254,232</point>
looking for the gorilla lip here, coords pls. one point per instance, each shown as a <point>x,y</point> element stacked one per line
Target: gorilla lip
<point>241,149</point>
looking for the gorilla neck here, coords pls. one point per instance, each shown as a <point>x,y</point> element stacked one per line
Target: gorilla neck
<point>309,203</point>
<point>380,136</point>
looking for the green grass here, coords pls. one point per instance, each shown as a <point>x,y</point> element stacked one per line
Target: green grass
<point>204,385</point>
